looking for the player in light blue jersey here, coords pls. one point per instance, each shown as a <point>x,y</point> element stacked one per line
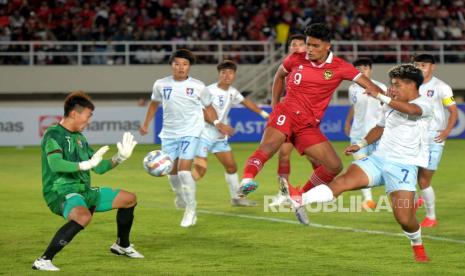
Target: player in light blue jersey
<point>402,133</point>
<point>441,96</point>
<point>363,115</point>
<point>211,140</point>
<point>184,100</point>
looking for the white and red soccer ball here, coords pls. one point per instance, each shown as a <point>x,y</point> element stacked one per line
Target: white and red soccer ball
<point>157,163</point>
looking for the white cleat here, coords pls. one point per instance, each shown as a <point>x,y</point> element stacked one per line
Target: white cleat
<point>278,200</point>
<point>179,202</point>
<point>126,251</point>
<point>301,215</point>
<point>189,219</point>
<point>42,264</point>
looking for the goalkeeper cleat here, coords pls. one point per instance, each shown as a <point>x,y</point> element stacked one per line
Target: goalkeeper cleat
<point>301,215</point>
<point>189,218</point>
<point>428,222</point>
<point>420,253</point>
<point>126,251</point>
<point>179,202</point>
<point>243,202</point>
<point>43,264</point>
<point>368,204</point>
<point>248,185</point>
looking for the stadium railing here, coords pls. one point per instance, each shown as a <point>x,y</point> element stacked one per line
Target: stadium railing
<point>208,52</point>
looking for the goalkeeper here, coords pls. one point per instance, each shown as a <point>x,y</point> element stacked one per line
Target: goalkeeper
<point>67,160</point>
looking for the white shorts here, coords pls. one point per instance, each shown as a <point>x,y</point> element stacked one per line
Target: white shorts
<point>182,148</point>
<point>395,176</point>
<point>363,152</point>
<point>206,146</point>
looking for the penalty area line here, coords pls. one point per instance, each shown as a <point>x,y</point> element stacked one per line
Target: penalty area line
<point>333,227</point>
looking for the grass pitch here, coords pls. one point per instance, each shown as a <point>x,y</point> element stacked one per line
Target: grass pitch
<point>226,240</point>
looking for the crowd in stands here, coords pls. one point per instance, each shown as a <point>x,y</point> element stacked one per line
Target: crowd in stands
<point>204,20</point>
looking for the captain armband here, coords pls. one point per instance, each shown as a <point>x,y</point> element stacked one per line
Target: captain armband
<point>448,101</point>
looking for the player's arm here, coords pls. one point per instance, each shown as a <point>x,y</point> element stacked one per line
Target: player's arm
<point>253,107</point>
<point>453,116</point>
<point>211,117</point>
<point>278,85</point>
<point>404,107</point>
<point>373,135</point>
<point>348,123</point>
<point>151,110</point>
<point>370,87</point>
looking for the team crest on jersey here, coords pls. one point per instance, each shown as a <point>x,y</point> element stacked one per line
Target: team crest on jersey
<point>189,91</point>
<point>328,74</point>
<point>430,93</point>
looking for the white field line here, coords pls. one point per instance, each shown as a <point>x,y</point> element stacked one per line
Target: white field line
<point>317,225</point>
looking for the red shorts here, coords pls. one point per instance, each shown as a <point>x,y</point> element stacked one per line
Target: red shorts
<point>301,128</point>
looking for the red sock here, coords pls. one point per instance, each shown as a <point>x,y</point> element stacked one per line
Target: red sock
<point>255,163</point>
<point>320,176</point>
<point>284,168</point>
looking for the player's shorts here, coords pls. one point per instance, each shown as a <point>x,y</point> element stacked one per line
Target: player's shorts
<point>435,154</point>
<point>206,146</point>
<point>363,152</point>
<point>99,198</point>
<point>182,148</point>
<point>300,128</point>
<point>395,176</point>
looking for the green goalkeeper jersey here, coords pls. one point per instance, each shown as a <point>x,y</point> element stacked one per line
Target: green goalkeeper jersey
<point>62,150</point>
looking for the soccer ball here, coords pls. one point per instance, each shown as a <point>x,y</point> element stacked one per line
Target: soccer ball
<point>157,163</point>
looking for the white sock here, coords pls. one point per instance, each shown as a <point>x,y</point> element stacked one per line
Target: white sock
<point>175,184</point>
<point>233,183</point>
<point>367,194</point>
<point>188,188</point>
<point>430,198</point>
<point>321,193</point>
<point>415,237</point>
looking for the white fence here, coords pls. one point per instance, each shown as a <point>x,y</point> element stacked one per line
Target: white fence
<point>209,52</point>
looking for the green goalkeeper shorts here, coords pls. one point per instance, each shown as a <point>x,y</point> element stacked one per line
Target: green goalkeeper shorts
<point>99,198</point>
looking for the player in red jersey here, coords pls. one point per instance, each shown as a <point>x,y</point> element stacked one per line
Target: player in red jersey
<point>312,78</point>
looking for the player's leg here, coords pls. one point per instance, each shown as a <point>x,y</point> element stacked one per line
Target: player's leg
<point>78,215</point>
<point>199,168</point>
<point>368,202</point>
<point>187,150</point>
<point>284,160</point>
<point>425,175</point>
<point>170,147</point>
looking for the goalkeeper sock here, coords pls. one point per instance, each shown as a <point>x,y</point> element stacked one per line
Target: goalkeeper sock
<point>233,183</point>
<point>62,237</point>
<point>124,219</point>
<point>188,188</point>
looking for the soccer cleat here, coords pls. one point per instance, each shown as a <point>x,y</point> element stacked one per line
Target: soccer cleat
<point>43,264</point>
<point>428,223</point>
<point>189,218</point>
<point>301,215</point>
<point>295,195</point>
<point>420,253</point>
<point>126,251</point>
<point>368,204</point>
<point>418,203</point>
<point>179,202</point>
<point>248,185</point>
<point>278,200</point>
<point>243,202</point>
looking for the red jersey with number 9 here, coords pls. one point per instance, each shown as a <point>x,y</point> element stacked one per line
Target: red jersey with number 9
<point>310,86</point>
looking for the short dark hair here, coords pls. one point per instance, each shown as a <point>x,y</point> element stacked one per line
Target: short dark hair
<point>424,58</point>
<point>363,62</point>
<point>183,53</point>
<point>296,37</point>
<point>320,31</point>
<point>407,72</point>
<point>77,100</point>
<point>227,64</point>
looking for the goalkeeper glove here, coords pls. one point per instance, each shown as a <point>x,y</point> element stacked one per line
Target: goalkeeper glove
<point>125,148</point>
<point>94,160</point>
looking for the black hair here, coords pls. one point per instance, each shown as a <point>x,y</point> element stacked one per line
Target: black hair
<point>296,37</point>
<point>77,100</point>
<point>320,31</point>
<point>363,62</point>
<point>424,58</point>
<point>183,53</point>
<point>407,72</point>
<point>227,64</point>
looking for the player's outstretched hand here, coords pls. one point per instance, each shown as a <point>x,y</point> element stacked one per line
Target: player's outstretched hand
<point>224,129</point>
<point>125,148</point>
<point>94,160</point>
<point>351,149</point>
